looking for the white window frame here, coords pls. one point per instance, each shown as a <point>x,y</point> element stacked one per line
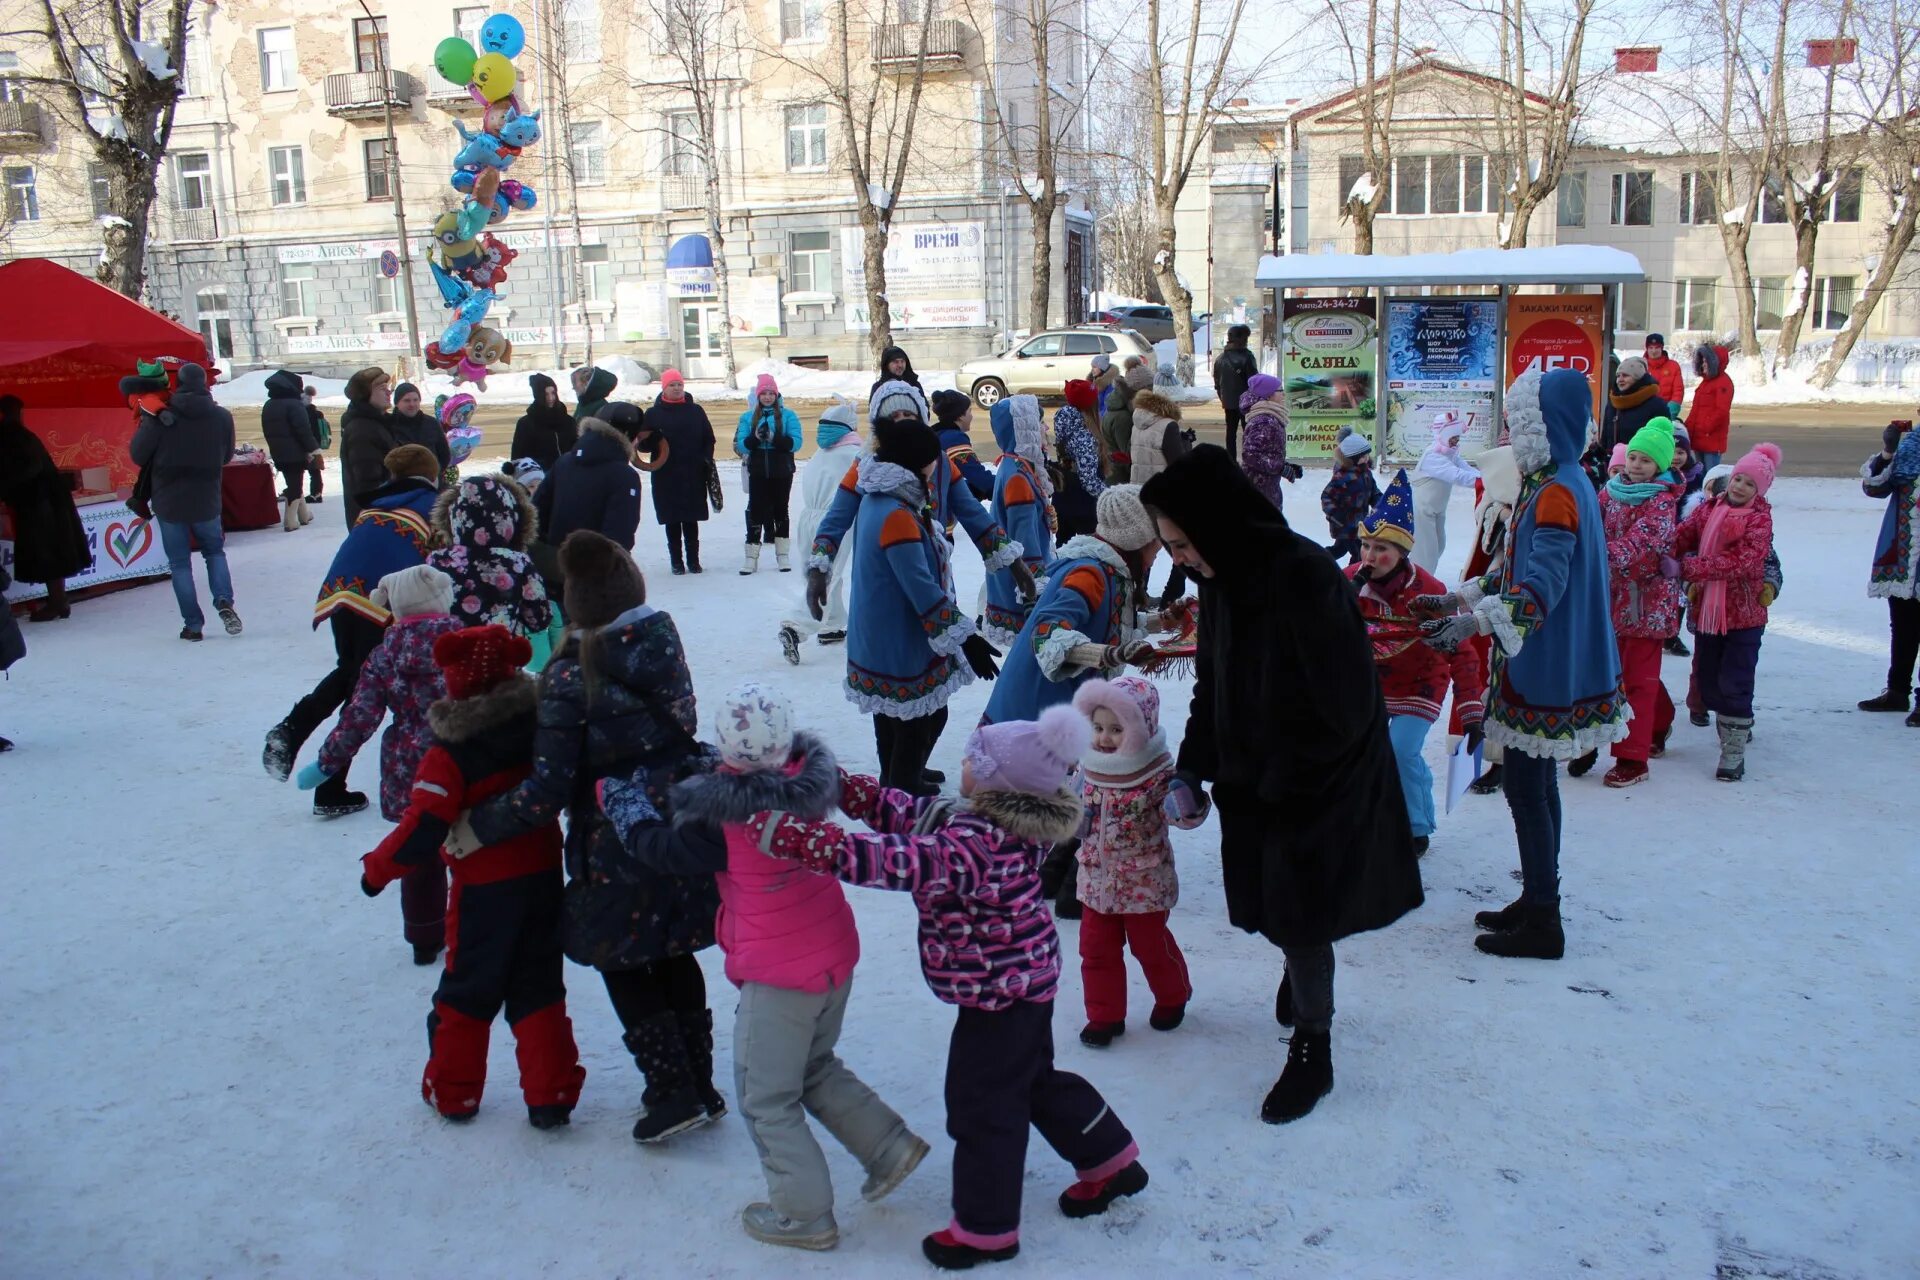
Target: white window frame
<point>90,73</point>
<point>685,156</point>
<point>193,60</point>
<point>1693,184</point>
<point>1689,296</point>
<point>1571,181</point>
<point>294,179</point>
<point>812,134</point>
<point>596,261</point>
<point>385,169</point>
<point>1860,194</point>
<point>587,152</point>
<point>580,29</point>
<point>388,302</point>
<point>467,21</point>
<point>23,193</point>
<point>1617,198</point>
<point>193,180</point>
<point>810,270</point>
<point>1762,286</point>
<point>1823,305</point>
<point>297,284</point>
<point>1641,294</point>
<point>802,21</point>
<point>214,320</point>
<point>279,68</point>
<point>99,188</point>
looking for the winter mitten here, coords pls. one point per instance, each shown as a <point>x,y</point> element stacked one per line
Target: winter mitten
<point>1669,567</point>
<point>1132,653</point>
<point>1448,634</point>
<point>814,845</point>
<point>368,888</point>
<point>859,796</point>
<point>1673,408</point>
<point>1186,805</point>
<point>980,655</point>
<point>817,593</point>
<point>1023,580</point>
<point>1436,606</point>
<point>1476,733</point>
<point>1890,437</point>
<point>626,804</point>
<point>310,776</point>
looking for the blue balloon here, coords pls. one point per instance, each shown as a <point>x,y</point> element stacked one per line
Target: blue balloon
<point>503,35</point>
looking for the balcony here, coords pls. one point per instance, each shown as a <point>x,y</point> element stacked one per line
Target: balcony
<point>896,45</point>
<point>679,191</point>
<point>22,127</point>
<point>192,226</point>
<point>454,100</point>
<point>366,95</point>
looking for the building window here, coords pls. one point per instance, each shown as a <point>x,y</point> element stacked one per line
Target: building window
<point>684,151</point>
<point>1697,205</point>
<point>288,169</point>
<point>1693,305</point>
<point>193,180</point>
<point>11,90</point>
<point>916,10</point>
<point>1351,167</point>
<point>1773,201</point>
<point>216,323</point>
<point>100,187</point>
<point>276,58</point>
<point>1633,308</point>
<point>1844,204</point>
<point>193,61</point>
<point>807,137</point>
<point>1631,204</point>
<point>802,20</point>
<point>23,202</point>
<point>1443,190</point>
<point>90,71</point>
<point>1410,184</point>
<point>296,289</point>
<point>580,29</point>
<point>1832,300</point>
<point>596,264</point>
<point>1572,199</point>
<point>1769,301</point>
<point>1473,186</point>
<point>1444,184</point>
<point>810,255</point>
<point>467,22</point>
<point>387,298</point>
<point>587,152</point>
<point>375,152</point>
<point>370,44</point>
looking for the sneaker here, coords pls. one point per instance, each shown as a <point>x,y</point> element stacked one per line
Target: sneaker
<point>790,644</point>
<point>1625,773</point>
<point>833,637</point>
<point>764,1223</point>
<point>191,633</point>
<point>1889,700</point>
<point>1098,1035</point>
<point>1090,1199</point>
<point>425,953</point>
<point>556,1115</point>
<point>1165,1017</point>
<point>948,1254</point>
<point>228,618</point>
<point>882,1183</point>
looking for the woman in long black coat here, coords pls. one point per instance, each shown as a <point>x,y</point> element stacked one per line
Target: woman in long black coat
<point>49,545</point>
<point>1289,726</point>
<point>680,484</point>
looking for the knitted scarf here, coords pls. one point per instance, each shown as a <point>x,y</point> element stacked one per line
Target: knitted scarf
<point>1620,489</point>
<point>1725,525</point>
<point>1906,458</point>
<point>766,420</point>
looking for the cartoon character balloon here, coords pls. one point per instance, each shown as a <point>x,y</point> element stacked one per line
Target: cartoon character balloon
<point>494,76</point>
<point>503,34</point>
<point>455,414</point>
<point>453,58</point>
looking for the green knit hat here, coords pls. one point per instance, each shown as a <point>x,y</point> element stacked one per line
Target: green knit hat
<point>1656,441</point>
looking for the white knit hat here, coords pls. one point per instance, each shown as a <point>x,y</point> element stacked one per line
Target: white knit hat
<point>418,589</point>
<point>1353,444</point>
<point>754,729</point>
<point>1121,518</point>
<point>892,397</point>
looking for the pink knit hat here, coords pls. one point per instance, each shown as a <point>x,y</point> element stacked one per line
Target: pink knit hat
<point>1619,458</point>
<point>1032,756</point>
<point>765,383</point>
<point>670,376</point>
<point>1760,466</point>
<point>1134,702</point>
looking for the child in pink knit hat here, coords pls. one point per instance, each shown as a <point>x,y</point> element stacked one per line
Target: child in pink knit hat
<point>766,441</point>
<point>987,945</point>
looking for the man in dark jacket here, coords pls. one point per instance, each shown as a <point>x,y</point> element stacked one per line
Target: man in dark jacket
<point>896,366</point>
<point>594,486</point>
<point>1289,726</point>
<point>546,430</point>
<point>1231,370</point>
<point>317,466</point>
<point>592,385</point>
<point>290,443</point>
<point>186,445</point>
<point>366,437</point>
<point>413,425</point>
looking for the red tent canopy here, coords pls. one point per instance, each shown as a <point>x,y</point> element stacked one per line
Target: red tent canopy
<point>65,343</point>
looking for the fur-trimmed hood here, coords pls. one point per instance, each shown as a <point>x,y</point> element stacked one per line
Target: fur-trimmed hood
<point>463,719</point>
<point>808,788</point>
<point>485,512</point>
<point>1046,819</point>
<point>600,439</point>
<point>1150,407</point>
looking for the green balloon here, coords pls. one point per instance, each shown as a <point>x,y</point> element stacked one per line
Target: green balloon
<point>453,58</point>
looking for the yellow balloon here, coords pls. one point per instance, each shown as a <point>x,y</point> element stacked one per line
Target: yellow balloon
<point>495,76</point>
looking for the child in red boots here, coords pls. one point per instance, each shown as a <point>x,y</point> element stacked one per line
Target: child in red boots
<point>503,922</point>
<point>1640,508</point>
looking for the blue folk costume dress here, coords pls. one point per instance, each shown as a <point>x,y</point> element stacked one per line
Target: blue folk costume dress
<point>394,532</point>
<point>1086,598</point>
<point>1021,506</point>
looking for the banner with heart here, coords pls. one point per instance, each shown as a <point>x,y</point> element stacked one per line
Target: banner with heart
<point>124,548</point>
<point>128,540</point>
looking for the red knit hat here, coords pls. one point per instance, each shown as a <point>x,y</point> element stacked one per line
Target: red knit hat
<point>1082,396</point>
<point>477,658</point>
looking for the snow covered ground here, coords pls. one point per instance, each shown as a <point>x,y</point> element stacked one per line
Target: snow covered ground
<point>213,1042</point>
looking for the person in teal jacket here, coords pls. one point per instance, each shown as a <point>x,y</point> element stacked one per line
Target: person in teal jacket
<point>766,441</point>
<point>1023,506</point>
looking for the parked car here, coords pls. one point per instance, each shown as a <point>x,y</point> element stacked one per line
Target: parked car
<point>1155,324</point>
<point>1042,364</point>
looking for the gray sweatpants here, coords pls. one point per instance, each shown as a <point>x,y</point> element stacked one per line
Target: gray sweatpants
<point>785,1069</point>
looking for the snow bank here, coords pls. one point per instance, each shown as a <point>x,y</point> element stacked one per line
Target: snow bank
<point>1877,371</point>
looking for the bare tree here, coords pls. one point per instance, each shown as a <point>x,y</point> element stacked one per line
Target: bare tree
<point>554,56</point>
<point>1362,196</point>
<point>1535,130</point>
<point>114,79</point>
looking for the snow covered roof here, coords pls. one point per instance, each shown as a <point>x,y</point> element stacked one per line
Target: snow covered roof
<point>1544,264</point>
<point>1669,112</point>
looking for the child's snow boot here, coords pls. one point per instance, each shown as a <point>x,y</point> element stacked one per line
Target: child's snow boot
<point>425,953</point>
<point>1626,773</point>
<point>1487,783</point>
<point>554,1115</point>
<point>1307,1078</point>
<point>1166,1017</point>
<point>790,643</point>
<point>764,1223</point>
<point>1913,719</point>
<point>673,1105</point>
<point>780,555</point>
<point>1735,733</point>
<point>882,1183</point>
<point>949,1254</point>
<point>1098,1035</point>
<point>280,750</point>
<point>331,799</point>
<point>1536,936</point>
<point>1089,1199</point>
<point>696,1029</point>
<point>290,518</point>
<point>306,516</point>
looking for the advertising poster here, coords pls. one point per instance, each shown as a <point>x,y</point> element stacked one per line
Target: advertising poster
<point>756,307</point>
<point>936,275</point>
<point>123,546</point>
<point>1442,357</point>
<point>1558,331</point>
<point>1327,366</point>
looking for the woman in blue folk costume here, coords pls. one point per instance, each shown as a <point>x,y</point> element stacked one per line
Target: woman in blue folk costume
<point>911,646</point>
<point>1023,506</point>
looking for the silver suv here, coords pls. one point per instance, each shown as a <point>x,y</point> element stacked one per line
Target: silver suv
<point>1046,362</point>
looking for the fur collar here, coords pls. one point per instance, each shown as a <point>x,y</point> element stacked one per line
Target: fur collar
<point>516,493</point>
<point>810,793</point>
<point>1086,546</point>
<point>891,478</point>
<point>1042,819</point>
<point>1156,407</point>
<point>600,426</point>
<point>1638,395</point>
<point>463,719</point>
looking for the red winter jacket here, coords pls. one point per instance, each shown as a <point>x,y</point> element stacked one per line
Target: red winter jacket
<point>1712,412</point>
<point>1414,675</point>
<point>1670,376</point>
<point>1742,564</point>
<point>1646,606</point>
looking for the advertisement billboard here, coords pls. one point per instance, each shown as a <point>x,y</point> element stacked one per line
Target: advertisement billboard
<point>1327,367</point>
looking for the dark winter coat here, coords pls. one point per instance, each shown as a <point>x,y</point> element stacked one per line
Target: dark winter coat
<point>680,483</point>
<point>1287,721</point>
<point>1231,370</point>
<point>624,709</point>
<point>600,385</point>
<point>399,681</point>
<point>49,543</point>
<point>772,455</point>
<point>482,526</point>
<point>423,429</point>
<point>593,487</point>
<point>186,446</point>
<point>1630,410</point>
<point>887,357</point>
<point>545,431</point>
<point>285,421</point>
<point>318,421</point>
<point>366,438</point>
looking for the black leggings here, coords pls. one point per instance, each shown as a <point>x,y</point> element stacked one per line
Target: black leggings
<point>1903,619</point>
<point>904,746</point>
<point>767,498</point>
<point>683,534</point>
<point>672,985</point>
<point>354,637</point>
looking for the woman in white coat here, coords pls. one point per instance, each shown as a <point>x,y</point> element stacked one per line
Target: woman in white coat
<point>1440,472</point>
<point>839,444</point>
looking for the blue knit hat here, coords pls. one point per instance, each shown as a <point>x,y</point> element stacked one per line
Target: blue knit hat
<point>1392,518</point>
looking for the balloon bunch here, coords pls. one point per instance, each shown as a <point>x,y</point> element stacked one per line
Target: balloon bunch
<point>468,262</point>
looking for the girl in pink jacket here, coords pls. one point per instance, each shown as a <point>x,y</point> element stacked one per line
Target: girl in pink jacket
<point>791,945</point>
<point>1127,880</point>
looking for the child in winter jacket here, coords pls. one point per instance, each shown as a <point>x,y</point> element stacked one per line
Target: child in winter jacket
<point>1413,676</point>
<point>1350,493</point>
<point>1127,883</point>
<point>1639,509</point>
<point>1721,553</point>
<point>987,945</point>
<point>400,680</point>
<point>1711,416</point>
<point>791,947</point>
<point>1263,406</point>
<point>506,905</point>
<point>483,526</point>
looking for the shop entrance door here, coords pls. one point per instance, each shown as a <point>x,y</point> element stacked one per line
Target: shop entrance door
<point>702,329</point>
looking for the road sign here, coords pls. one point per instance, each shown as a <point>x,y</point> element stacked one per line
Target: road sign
<point>389,263</point>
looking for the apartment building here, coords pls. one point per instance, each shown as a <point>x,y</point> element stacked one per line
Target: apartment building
<point>1638,180</point>
<point>276,207</point>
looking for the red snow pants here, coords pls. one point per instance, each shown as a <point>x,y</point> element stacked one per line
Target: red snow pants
<point>1103,962</point>
<point>1647,694</point>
